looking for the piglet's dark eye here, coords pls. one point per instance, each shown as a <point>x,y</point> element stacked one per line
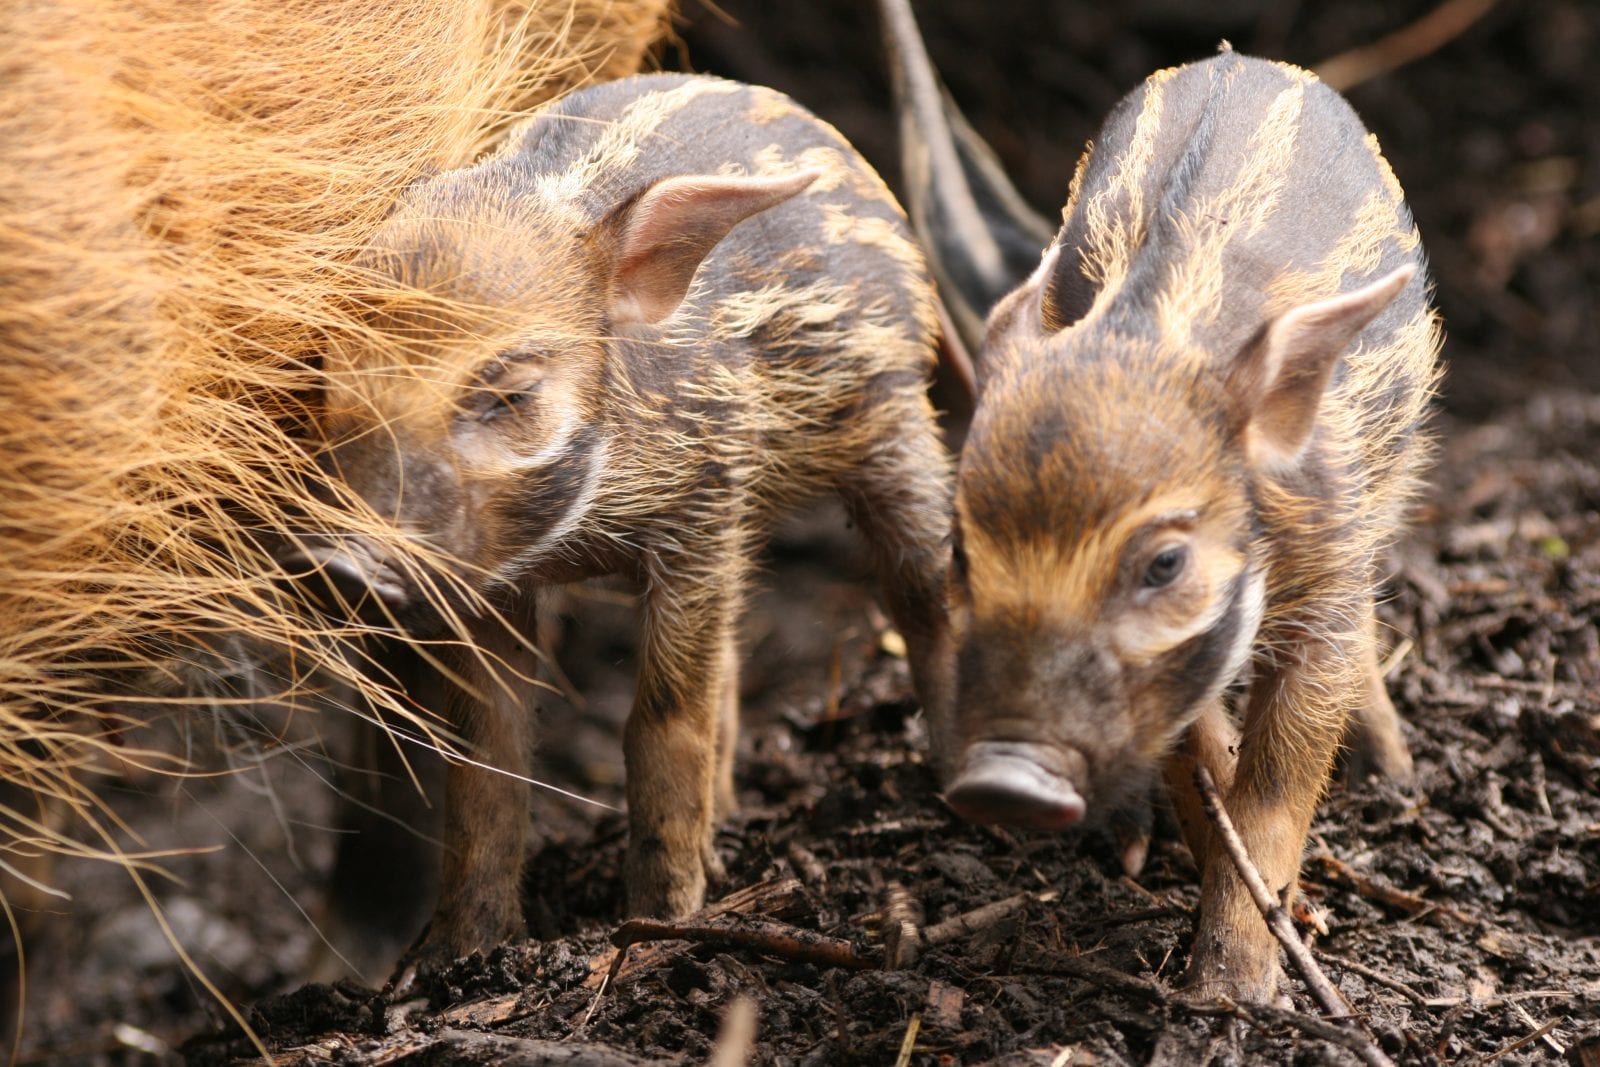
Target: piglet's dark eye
<point>1165,567</point>
<point>507,404</point>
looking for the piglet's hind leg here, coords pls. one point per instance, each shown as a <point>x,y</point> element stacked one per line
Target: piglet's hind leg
<point>899,495</point>
<point>1376,744</point>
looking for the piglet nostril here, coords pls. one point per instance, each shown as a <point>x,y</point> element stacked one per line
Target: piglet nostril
<point>1000,783</point>
<point>355,582</point>
<point>347,580</point>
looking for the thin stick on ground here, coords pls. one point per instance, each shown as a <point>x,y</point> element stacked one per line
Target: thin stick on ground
<point>1374,888</point>
<point>1276,916</point>
<point>908,1043</point>
<point>1406,45</point>
<point>980,918</point>
<point>1375,976</point>
<point>1087,970</point>
<point>1540,1032</point>
<point>902,939</point>
<point>1265,1016</point>
<point>758,935</point>
<point>1528,1039</point>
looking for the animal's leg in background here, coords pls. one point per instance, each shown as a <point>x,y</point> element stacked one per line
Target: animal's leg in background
<point>390,815</point>
<point>670,748</point>
<point>1295,716</point>
<point>899,495</point>
<point>726,798</point>
<point>39,917</point>
<point>486,794</point>
<point>1376,744</point>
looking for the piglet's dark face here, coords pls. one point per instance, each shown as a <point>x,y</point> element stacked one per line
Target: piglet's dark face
<point>474,415</point>
<point>1102,590</point>
<point>474,422</point>
<point>1106,583</point>
<point>487,470</point>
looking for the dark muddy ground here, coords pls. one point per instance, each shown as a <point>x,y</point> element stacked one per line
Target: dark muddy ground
<point>1460,917</point>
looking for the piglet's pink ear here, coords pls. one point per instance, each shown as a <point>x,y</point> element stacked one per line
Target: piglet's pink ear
<point>664,233</point>
<point>1279,378</point>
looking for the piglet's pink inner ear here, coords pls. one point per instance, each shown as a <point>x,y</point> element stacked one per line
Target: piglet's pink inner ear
<point>1279,378</point>
<point>662,235</point>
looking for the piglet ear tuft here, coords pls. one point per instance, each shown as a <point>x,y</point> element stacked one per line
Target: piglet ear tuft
<point>1278,379</point>
<point>1067,294</point>
<point>661,236</point>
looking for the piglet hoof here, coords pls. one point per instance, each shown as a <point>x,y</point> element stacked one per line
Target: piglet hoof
<point>440,944</point>
<point>424,959</point>
<point>1130,828</point>
<point>1376,755</point>
<point>666,887</point>
<point>716,871</point>
<point>1244,986</point>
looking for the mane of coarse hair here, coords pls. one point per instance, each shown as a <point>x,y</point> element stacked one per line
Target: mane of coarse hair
<point>183,199</point>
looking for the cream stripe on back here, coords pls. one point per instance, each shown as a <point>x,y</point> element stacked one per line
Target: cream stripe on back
<point>627,137</point>
<point>1193,295</point>
<point>1115,229</point>
<point>1359,251</point>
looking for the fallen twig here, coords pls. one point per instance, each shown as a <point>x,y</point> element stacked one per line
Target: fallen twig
<point>1546,691</point>
<point>1395,657</point>
<point>777,898</point>
<point>807,866</point>
<point>909,1042</point>
<point>1099,974</point>
<point>1489,1003</point>
<point>1540,1032</point>
<point>1272,911</point>
<point>1526,1039</point>
<point>780,898</point>
<point>1264,1015</point>
<point>969,923</point>
<point>1141,915</point>
<point>1277,917</point>
<point>1377,889</point>
<point>1376,977</point>
<point>902,940</point>
<point>496,1011</point>
<point>757,935</point>
<point>1406,45</point>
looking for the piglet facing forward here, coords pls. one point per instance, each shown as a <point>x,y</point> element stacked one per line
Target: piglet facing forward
<point>1197,427</point>
<point>674,307</point>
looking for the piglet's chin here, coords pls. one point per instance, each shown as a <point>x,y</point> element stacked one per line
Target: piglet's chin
<point>1018,784</point>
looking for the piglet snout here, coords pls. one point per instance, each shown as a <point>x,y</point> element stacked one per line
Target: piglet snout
<point>1018,784</point>
<point>348,574</point>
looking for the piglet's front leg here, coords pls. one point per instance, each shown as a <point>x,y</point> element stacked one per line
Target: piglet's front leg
<point>1292,726</point>
<point>486,800</point>
<point>670,743</point>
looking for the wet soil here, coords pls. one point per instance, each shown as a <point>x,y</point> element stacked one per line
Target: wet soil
<point>1459,916</point>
